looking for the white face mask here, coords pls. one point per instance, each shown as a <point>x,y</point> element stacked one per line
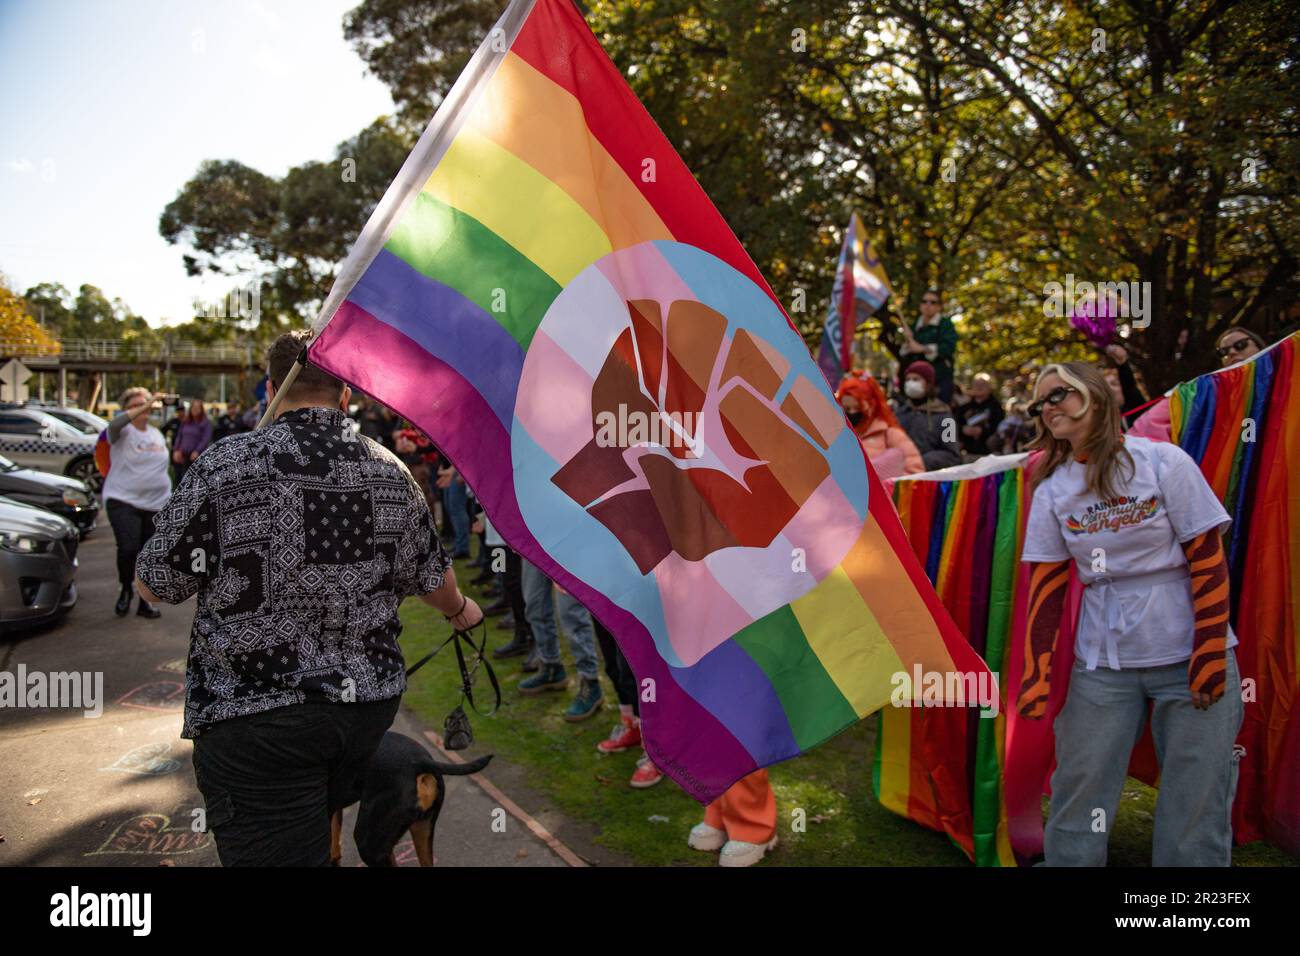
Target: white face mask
<point>914,388</point>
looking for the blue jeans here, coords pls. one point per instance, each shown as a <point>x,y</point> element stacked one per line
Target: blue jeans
<point>539,601</point>
<point>455,502</point>
<point>1102,720</point>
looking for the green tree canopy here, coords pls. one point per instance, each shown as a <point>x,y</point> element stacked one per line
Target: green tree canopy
<point>90,314</point>
<point>991,149</point>
<point>288,235</point>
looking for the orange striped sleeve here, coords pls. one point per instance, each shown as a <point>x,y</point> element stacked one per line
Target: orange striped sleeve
<point>1209,570</point>
<point>1048,584</point>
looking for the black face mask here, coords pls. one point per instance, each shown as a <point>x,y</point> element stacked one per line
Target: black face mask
<point>855,417</point>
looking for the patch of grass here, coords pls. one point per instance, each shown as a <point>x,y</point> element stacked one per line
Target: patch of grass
<point>845,825</point>
<point>1130,843</point>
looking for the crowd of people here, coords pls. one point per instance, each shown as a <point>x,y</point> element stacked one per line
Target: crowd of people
<point>918,418</point>
<point>1097,444</point>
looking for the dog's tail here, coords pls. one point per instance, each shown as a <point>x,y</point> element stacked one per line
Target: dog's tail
<point>460,769</point>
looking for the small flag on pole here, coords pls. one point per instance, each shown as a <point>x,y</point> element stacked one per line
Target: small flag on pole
<point>861,287</point>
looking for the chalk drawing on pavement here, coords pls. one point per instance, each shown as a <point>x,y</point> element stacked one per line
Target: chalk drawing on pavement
<point>148,760</point>
<point>152,834</point>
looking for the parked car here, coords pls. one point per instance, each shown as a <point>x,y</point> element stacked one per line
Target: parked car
<point>64,496</point>
<point>64,413</point>
<point>88,423</point>
<point>32,439</point>
<point>38,566</point>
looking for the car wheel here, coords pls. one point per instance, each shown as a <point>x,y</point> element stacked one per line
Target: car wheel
<point>83,469</point>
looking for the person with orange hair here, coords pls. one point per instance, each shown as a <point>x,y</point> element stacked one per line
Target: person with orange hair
<point>890,451</point>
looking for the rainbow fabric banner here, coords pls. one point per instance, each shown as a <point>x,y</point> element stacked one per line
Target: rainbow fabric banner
<point>861,287</point>
<point>1242,424</point>
<point>549,294</point>
<point>944,768</point>
<point>983,785</point>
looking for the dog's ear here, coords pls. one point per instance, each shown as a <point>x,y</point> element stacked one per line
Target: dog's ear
<point>426,790</point>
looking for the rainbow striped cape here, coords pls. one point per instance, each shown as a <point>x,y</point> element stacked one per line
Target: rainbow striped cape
<point>548,293</point>
<point>982,782</point>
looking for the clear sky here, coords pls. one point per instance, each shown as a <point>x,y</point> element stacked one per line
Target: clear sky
<point>107,107</point>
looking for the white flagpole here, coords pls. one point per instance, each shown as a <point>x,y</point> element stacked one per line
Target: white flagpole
<point>447,122</point>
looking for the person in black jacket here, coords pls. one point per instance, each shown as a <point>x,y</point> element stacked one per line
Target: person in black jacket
<point>172,425</point>
<point>376,422</point>
<point>979,418</point>
<point>929,422</point>
<point>228,424</point>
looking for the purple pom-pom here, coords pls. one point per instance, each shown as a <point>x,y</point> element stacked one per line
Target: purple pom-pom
<point>1094,320</point>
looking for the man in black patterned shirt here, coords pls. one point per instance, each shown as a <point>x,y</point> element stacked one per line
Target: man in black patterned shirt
<point>301,540</point>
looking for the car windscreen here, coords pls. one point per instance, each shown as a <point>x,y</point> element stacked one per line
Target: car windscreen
<point>57,430</point>
<point>80,424</point>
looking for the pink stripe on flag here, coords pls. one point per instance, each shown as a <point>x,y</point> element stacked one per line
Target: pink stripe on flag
<point>555,408</point>
<point>642,272</point>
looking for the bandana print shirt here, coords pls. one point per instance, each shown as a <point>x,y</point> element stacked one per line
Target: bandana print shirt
<point>301,540</point>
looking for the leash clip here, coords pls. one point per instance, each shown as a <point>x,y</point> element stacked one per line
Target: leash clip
<point>457,732</point>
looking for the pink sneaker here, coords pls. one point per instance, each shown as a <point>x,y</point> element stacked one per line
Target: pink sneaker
<point>625,736</point>
<point>647,774</point>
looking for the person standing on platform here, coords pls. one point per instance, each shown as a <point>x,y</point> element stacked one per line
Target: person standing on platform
<point>933,338</point>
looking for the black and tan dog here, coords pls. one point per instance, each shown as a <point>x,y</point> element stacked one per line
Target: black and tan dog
<point>402,790</point>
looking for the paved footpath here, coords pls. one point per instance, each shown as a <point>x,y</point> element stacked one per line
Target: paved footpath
<point>118,789</point>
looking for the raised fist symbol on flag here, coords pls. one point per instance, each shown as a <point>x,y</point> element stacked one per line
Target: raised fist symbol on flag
<point>675,447</point>
<point>697,446</point>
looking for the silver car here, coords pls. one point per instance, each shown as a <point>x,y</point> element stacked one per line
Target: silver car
<point>31,438</point>
<point>38,566</point>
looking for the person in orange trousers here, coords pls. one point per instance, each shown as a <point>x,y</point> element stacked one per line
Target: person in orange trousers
<point>741,823</point>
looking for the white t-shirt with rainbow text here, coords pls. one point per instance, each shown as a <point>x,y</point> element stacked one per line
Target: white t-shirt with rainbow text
<point>1164,504</point>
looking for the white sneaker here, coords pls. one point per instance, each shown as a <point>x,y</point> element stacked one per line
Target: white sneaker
<point>706,838</point>
<point>738,853</point>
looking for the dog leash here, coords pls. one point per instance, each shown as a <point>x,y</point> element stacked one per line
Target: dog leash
<point>467,673</point>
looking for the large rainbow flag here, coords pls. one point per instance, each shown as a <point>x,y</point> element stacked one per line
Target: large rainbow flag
<point>549,294</point>
<point>983,785</point>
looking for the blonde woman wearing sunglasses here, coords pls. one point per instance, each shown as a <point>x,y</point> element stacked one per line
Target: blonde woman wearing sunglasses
<point>1143,530</point>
